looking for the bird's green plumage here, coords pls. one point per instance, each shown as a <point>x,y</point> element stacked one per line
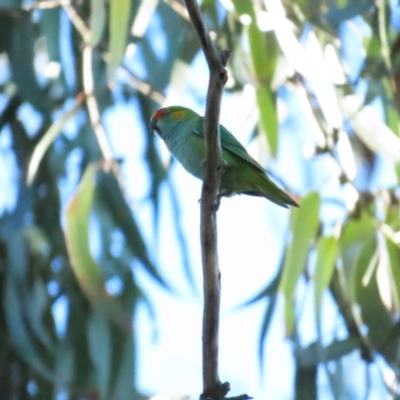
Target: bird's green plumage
<point>182,131</point>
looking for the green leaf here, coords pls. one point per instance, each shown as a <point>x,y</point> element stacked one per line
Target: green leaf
<point>353,235</point>
<point>374,313</point>
<point>304,226</point>
<point>338,14</point>
<point>87,271</point>
<point>267,319</point>
<point>97,21</point>
<point>124,384</point>
<point>264,55</point>
<point>112,197</point>
<point>314,354</point>
<point>20,50</point>
<point>306,382</point>
<point>100,352</point>
<point>270,293</point>
<point>64,366</point>
<point>119,17</point>
<point>266,101</point>
<point>326,255</point>
<point>394,260</point>
<point>50,26</point>
<point>370,128</point>
<point>158,69</point>
<point>10,4</point>
<point>49,137</point>
<point>13,304</point>
<point>38,305</point>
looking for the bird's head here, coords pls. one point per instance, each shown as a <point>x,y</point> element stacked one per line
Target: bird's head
<point>165,119</point>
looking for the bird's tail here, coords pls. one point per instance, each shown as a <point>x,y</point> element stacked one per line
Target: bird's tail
<point>271,191</point>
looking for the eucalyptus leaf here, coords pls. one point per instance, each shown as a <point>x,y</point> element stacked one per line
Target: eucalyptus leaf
<point>87,271</point>
<point>304,225</point>
<point>119,17</point>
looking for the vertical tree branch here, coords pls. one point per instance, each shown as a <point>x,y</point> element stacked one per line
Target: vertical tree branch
<point>212,387</point>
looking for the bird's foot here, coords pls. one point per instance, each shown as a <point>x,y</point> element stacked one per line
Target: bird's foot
<point>216,205</point>
<point>224,163</point>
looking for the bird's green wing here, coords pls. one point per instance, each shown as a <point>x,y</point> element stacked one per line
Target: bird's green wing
<point>230,143</point>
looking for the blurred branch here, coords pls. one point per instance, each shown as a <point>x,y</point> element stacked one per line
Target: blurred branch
<point>212,387</point>
<point>178,8</point>
<point>77,21</point>
<point>144,87</point>
<point>92,105</point>
<point>45,5</point>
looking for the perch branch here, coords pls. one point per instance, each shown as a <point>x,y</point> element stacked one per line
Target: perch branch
<point>212,387</point>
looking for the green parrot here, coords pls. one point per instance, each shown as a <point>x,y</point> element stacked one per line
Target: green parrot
<point>182,131</point>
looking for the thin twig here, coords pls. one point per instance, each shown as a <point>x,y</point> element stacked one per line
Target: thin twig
<point>45,5</point>
<point>92,105</point>
<point>77,21</point>
<point>143,87</point>
<point>212,387</point>
<point>178,8</point>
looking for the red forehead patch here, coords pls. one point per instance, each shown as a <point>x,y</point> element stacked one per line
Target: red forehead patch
<point>176,114</point>
<point>159,113</point>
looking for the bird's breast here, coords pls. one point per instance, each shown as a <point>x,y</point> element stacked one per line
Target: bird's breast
<point>188,148</point>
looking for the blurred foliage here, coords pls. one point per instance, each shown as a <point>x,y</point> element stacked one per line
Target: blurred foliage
<point>68,62</point>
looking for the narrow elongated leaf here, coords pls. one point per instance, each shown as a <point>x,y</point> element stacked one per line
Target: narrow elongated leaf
<point>97,21</point>
<point>64,366</point>
<point>353,235</point>
<point>87,271</point>
<point>20,50</point>
<point>270,290</point>
<point>269,312</point>
<point>266,101</point>
<point>314,354</point>
<point>374,313</point>
<point>264,56</point>
<point>124,384</point>
<point>270,294</point>
<point>100,352</point>
<point>394,260</point>
<point>19,332</point>
<point>304,226</point>
<point>115,203</point>
<point>49,137</point>
<point>326,254</point>
<point>119,17</point>
<point>338,14</point>
<point>40,300</point>
<point>370,128</point>
<point>11,4</point>
<point>305,382</point>
<point>50,26</point>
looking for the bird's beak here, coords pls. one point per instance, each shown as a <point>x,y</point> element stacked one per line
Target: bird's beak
<point>153,124</point>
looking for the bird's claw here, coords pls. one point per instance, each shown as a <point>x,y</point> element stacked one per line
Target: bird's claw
<point>216,205</point>
<point>223,162</point>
